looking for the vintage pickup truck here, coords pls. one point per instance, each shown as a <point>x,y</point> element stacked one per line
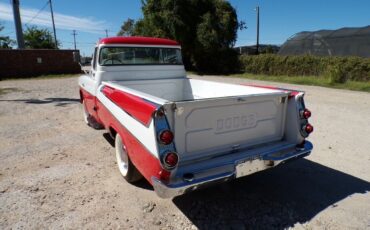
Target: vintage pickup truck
<point>182,134</point>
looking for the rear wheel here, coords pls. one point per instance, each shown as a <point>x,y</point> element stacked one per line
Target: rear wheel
<point>125,166</point>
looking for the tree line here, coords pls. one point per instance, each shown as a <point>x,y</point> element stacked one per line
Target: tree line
<point>5,41</point>
<point>34,38</point>
<point>206,30</point>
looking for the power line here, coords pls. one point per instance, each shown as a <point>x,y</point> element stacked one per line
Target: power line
<point>11,32</point>
<point>90,46</point>
<point>79,43</point>
<point>37,14</point>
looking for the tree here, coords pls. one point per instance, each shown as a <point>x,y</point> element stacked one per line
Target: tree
<point>5,41</point>
<point>127,29</point>
<point>206,29</point>
<point>35,38</point>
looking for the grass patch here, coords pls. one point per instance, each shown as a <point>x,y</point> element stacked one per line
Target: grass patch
<point>310,80</point>
<point>8,90</point>
<point>49,76</point>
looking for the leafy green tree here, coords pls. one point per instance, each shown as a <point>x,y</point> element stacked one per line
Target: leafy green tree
<point>5,41</point>
<point>35,38</point>
<point>128,27</point>
<point>206,29</point>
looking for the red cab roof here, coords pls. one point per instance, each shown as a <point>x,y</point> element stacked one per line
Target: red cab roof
<point>139,41</point>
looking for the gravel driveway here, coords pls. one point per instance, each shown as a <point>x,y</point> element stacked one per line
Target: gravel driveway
<point>56,172</point>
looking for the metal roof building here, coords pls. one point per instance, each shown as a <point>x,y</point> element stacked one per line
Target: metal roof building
<point>341,42</point>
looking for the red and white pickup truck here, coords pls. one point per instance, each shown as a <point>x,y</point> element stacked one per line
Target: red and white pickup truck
<point>179,133</point>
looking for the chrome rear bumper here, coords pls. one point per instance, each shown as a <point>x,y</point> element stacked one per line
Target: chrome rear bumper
<point>264,161</point>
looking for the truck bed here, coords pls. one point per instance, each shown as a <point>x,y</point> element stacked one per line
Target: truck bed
<point>187,89</point>
<point>209,117</point>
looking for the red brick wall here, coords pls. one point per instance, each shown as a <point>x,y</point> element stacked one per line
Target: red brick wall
<point>24,63</point>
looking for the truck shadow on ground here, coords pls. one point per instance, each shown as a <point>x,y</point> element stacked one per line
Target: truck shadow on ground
<point>59,101</point>
<point>273,199</point>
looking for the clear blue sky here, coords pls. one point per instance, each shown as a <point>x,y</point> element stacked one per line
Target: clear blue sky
<point>279,19</point>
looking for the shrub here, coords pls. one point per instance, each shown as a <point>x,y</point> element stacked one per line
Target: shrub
<point>222,61</point>
<point>336,74</point>
<point>339,69</point>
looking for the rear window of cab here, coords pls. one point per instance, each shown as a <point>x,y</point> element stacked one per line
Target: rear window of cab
<point>139,56</point>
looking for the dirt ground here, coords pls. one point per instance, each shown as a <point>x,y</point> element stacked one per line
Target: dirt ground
<point>56,172</point>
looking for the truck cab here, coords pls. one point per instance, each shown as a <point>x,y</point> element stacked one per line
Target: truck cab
<point>182,134</point>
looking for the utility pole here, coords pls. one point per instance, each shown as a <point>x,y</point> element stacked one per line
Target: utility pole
<point>52,19</point>
<point>258,30</point>
<point>18,24</point>
<point>74,38</point>
<point>106,33</point>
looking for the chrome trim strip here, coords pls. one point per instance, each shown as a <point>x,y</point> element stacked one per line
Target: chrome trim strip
<point>172,190</point>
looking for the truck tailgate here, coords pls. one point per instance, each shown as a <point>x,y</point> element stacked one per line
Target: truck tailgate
<point>230,123</point>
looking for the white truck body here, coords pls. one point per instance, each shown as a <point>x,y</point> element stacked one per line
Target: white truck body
<point>220,131</point>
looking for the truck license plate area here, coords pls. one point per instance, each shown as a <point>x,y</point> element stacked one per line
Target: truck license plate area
<point>250,166</point>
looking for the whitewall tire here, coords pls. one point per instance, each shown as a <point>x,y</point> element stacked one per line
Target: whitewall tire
<point>125,166</point>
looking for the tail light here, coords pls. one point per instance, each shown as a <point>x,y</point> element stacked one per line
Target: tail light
<point>305,113</point>
<point>165,137</point>
<point>308,128</point>
<point>170,160</point>
<point>164,175</point>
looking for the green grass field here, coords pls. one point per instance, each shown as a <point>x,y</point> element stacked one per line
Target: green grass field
<point>309,80</point>
<point>44,77</point>
<point>8,90</point>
